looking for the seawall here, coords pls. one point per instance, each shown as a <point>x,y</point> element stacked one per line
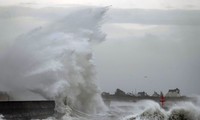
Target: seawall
<point>26,110</point>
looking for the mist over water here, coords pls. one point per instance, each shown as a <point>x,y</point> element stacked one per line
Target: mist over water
<point>55,62</point>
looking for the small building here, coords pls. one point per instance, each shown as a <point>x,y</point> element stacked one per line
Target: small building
<point>173,93</point>
<point>130,94</point>
<point>155,94</point>
<point>142,94</point>
<point>119,92</point>
<point>105,93</point>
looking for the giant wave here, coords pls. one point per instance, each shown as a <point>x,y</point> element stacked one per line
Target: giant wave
<point>55,62</point>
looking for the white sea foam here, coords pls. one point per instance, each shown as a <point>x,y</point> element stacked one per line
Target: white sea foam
<point>150,110</point>
<point>1,117</point>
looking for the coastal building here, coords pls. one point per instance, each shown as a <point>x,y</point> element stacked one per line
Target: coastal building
<point>173,93</point>
<point>130,94</point>
<point>155,94</point>
<point>142,94</point>
<point>119,92</point>
<point>105,94</point>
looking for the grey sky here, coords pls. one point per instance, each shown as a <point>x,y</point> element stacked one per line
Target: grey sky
<point>143,4</point>
<point>162,45</point>
<point>160,42</point>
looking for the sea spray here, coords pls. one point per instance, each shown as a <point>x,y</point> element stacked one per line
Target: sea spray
<point>185,111</point>
<point>1,117</point>
<point>150,110</point>
<point>56,62</point>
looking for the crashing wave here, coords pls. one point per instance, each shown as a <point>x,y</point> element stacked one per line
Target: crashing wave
<point>56,62</point>
<point>184,111</point>
<point>181,111</point>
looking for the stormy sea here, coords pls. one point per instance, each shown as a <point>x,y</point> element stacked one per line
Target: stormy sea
<point>55,62</point>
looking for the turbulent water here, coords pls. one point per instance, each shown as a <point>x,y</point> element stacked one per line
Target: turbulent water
<point>146,110</point>
<point>149,110</point>
<point>55,62</point>
<point>142,110</point>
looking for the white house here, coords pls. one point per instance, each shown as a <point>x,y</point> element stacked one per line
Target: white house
<point>173,93</point>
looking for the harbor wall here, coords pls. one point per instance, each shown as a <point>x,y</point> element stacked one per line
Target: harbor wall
<point>26,110</point>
